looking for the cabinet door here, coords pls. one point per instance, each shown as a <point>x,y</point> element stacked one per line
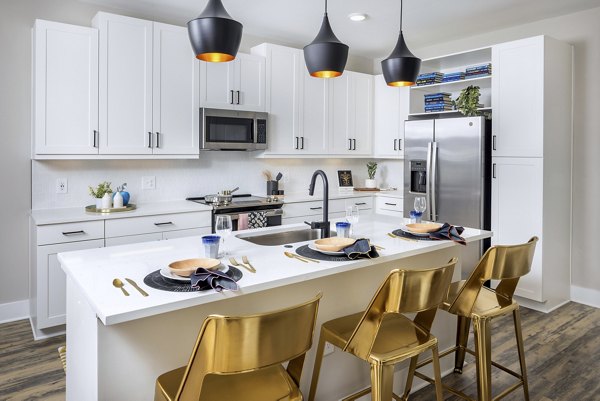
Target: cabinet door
<point>340,115</point>
<point>217,85</point>
<point>125,84</point>
<point>192,232</point>
<point>175,92</point>
<point>284,69</point>
<point>361,113</point>
<point>133,239</point>
<point>517,196</point>
<point>65,89</point>
<point>314,111</point>
<point>387,117</point>
<point>52,282</point>
<point>250,85</point>
<point>518,98</point>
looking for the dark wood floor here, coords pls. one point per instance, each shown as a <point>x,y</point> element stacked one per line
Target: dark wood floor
<point>562,350</point>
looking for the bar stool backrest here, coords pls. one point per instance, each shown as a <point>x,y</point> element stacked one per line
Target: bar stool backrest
<point>506,263</point>
<point>403,291</point>
<point>228,345</point>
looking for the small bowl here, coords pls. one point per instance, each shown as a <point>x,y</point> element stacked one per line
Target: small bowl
<point>333,244</point>
<point>185,268</point>
<point>423,228</point>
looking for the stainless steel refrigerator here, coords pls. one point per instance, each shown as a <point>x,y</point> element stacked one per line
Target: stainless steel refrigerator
<point>449,162</point>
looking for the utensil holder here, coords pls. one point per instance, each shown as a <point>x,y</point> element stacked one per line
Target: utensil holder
<point>272,187</point>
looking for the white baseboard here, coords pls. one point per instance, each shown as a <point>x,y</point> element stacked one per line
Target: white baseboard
<point>14,311</point>
<point>586,296</point>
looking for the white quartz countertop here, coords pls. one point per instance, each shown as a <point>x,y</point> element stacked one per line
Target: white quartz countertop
<point>94,270</point>
<point>66,215</point>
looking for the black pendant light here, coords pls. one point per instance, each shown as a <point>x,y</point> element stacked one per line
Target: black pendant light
<point>214,35</point>
<point>401,68</point>
<point>326,56</point>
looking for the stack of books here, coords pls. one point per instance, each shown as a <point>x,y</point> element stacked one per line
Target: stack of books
<point>436,102</point>
<point>479,70</point>
<point>453,76</point>
<point>429,78</point>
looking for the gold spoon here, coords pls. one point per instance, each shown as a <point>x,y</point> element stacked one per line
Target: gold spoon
<point>294,256</point>
<point>119,284</point>
<point>234,262</point>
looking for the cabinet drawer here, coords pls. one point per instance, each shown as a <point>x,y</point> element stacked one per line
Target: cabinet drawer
<point>70,232</point>
<point>155,224</point>
<point>389,204</point>
<point>315,208</point>
<point>365,203</point>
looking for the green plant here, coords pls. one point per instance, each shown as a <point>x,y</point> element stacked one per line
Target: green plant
<point>102,189</point>
<point>468,101</point>
<point>371,170</point>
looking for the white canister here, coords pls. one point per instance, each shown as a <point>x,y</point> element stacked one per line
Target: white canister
<point>98,203</point>
<point>371,183</point>
<point>107,201</point>
<point>118,200</point>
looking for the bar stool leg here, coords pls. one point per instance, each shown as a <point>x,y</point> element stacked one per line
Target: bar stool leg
<point>483,351</point>
<point>462,337</point>
<point>317,367</point>
<point>382,380</point>
<point>437,374</point>
<point>521,349</point>
<point>409,377</point>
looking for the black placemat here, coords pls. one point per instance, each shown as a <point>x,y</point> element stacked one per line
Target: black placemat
<point>311,253</point>
<point>400,233</point>
<point>157,281</point>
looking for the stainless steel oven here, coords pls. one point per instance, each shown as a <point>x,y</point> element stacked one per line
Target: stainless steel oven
<point>232,130</point>
<point>274,217</point>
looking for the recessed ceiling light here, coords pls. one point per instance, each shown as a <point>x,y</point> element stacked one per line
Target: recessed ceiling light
<point>357,17</point>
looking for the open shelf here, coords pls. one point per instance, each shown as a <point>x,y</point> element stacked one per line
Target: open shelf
<point>445,112</point>
<point>459,83</point>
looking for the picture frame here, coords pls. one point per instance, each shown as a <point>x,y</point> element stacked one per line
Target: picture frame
<point>345,182</point>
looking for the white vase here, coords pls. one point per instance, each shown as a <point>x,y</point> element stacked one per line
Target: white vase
<point>107,201</point>
<point>370,183</point>
<point>98,203</point>
<point>117,200</point>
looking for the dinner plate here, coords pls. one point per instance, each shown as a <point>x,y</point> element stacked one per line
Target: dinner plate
<point>314,248</point>
<point>166,273</point>
<point>407,230</point>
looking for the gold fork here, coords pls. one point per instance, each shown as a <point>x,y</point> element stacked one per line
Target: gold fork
<point>246,261</point>
<point>234,262</point>
<point>392,235</point>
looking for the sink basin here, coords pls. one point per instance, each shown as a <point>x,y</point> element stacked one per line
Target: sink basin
<point>282,237</point>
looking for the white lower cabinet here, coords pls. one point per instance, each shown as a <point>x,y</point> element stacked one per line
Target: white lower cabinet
<point>389,206</point>
<point>133,239</point>
<point>299,212</point>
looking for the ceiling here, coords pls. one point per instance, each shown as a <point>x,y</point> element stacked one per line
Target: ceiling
<point>425,22</point>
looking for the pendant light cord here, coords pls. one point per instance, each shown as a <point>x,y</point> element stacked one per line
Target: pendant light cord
<point>325,7</point>
<point>400,15</point>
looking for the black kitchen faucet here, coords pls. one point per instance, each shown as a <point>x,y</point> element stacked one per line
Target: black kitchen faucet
<point>321,225</point>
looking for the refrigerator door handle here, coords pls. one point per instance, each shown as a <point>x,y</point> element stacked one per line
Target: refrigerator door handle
<point>434,151</point>
<point>428,183</point>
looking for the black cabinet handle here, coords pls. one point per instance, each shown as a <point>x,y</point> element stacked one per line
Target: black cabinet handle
<point>95,138</point>
<point>391,204</point>
<point>349,144</point>
<point>231,93</point>
<point>395,144</point>
<point>354,148</point>
<point>149,140</point>
<point>69,233</point>
<point>494,170</point>
<point>361,204</point>
<point>238,97</point>
<point>302,142</point>
<point>399,144</point>
<point>493,142</point>
<point>168,223</point>
<point>297,146</point>
<point>316,208</point>
<point>158,139</point>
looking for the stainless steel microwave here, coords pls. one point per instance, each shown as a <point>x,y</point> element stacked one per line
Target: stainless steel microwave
<point>232,130</point>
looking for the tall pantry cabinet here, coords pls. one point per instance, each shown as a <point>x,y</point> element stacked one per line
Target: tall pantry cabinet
<point>531,160</point>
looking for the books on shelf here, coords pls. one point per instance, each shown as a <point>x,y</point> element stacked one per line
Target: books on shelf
<point>475,71</point>
<point>429,78</point>
<point>479,70</point>
<point>453,76</point>
<point>436,102</point>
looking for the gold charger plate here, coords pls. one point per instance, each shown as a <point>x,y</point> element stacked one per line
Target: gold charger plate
<point>93,209</point>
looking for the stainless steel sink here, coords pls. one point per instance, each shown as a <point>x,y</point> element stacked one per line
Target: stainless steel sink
<point>282,237</point>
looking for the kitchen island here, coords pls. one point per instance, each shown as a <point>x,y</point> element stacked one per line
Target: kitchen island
<point>117,345</point>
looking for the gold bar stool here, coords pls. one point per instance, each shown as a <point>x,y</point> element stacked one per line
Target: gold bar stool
<point>471,301</point>
<point>383,336</point>
<point>240,358</point>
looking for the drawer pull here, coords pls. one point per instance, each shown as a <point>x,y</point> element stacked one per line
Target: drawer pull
<point>361,204</point>
<point>391,204</point>
<point>69,233</point>
<point>316,208</point>
<point>168,223</point>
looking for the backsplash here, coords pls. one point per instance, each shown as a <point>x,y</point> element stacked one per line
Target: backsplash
<point>178,179</point>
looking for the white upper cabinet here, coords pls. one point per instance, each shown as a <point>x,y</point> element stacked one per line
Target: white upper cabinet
<point>391,107</point>
<point>313,116</point>
<point>65,85</point>
<point>175,92</point>
<point>518,98</point>
<point>235,85</point>
<point>125,84</point>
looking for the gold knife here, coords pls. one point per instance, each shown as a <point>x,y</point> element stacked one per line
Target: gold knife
<point>137,287</point>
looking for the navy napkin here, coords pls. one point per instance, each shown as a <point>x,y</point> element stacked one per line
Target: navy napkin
<point>449,232</point>
<point>217,280</point>
<point>361,249</point>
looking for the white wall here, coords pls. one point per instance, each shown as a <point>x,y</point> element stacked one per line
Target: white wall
<point>583,31</point>
<point>16,20</point>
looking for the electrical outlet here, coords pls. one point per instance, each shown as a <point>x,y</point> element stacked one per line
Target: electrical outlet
<point>329,348</point>
<point>62,186</point>
<point>149,182</point>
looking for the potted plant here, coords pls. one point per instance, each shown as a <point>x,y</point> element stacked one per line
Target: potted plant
<point>468,101</point>
<point>371,182</point>
<point>122,192</point>
<point>102,194</point>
